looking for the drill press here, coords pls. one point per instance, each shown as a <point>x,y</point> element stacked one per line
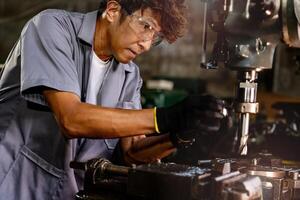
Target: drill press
<point>247,35</point>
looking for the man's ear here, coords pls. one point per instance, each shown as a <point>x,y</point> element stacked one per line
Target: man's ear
<point>113,11</point>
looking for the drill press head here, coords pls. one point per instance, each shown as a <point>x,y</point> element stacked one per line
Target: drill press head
<point>247,35</point>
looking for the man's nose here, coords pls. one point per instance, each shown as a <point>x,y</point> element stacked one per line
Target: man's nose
<point>145,45</point>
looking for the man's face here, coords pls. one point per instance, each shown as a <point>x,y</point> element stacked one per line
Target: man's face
<point>134,35</point>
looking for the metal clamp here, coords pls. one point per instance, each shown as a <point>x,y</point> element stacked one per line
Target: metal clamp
<point>247,108</point>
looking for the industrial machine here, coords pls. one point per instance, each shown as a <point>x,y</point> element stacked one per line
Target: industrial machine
<point>247,35</point>
<point>262,177</point>
<point>248,32</point>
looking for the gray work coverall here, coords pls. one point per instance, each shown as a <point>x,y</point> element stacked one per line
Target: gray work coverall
<point>54,51</point>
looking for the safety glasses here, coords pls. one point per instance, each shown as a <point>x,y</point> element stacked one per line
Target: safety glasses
<point>145,30</point>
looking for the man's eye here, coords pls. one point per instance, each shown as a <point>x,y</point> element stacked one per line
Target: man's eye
<point>147,26</point>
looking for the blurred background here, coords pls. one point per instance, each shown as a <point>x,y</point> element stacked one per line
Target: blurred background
<point>179,62</point>
<point>170,72</point>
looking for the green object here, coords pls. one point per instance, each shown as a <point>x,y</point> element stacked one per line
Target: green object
<point>161,98</point>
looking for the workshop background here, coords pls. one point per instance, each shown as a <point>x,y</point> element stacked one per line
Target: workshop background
<point>179,62</point>
<point>170,72</point>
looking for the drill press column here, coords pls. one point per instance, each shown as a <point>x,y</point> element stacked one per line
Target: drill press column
<point>246,104</point>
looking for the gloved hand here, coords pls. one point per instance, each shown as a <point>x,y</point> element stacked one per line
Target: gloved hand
<point>194,112</point>
<point>192,115</point>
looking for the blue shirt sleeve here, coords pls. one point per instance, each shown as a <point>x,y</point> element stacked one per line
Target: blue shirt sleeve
<point>46,57</point>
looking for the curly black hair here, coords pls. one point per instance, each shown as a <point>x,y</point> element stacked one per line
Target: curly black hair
<point>173,14</point>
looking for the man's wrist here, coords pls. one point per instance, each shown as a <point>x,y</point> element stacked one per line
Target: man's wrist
<point>155,121</point>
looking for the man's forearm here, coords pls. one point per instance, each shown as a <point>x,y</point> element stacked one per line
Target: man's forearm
<point>99,122</point>
<point>79,119</point>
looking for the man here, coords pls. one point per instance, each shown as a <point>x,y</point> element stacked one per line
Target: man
<point>69,89</point>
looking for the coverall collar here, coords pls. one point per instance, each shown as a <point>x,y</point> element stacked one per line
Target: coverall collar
<point>87,32</point>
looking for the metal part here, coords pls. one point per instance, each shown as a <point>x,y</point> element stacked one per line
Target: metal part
<point>264,9</point>
<point>246,104</point>
<point>224,112</point>
<point>242,187</point>
<point>269,179</point>
<point>266,172</point>
<point>223,167</point>
<point>247,108</point>
<point>278,181</point>
<point>290,23</point>
<point>101,167</point>
<point>286,79</point>
<point>164,179</point>
<point>204,36</point>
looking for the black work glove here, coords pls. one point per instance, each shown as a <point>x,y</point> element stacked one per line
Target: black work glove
<point>195,114</point>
